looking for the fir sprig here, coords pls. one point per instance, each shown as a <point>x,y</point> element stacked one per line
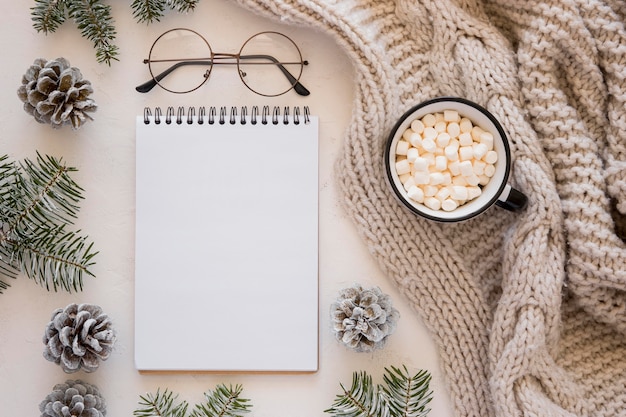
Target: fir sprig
<point>96,24</point>
<point>150,11</point>
<point>94,19</point>
<point>48,15</point>
<point>38,200</point>
<point>224,401</point>
<point>402,395</point>
<point>161,405</point>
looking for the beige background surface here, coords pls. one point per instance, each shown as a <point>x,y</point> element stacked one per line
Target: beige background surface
<point>103,151</point>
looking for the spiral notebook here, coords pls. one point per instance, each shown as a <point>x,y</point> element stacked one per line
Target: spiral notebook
<point>226,263</point>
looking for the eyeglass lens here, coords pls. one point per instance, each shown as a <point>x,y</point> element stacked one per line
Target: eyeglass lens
<point>180,60</point>
<point>268,63</point>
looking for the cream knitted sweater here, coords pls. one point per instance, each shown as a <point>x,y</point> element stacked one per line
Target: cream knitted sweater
<point>528,309</point>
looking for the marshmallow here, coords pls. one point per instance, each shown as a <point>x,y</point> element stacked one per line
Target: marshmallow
<point>489,170</point>
<point>442,194</point>
<point>443,160</point>
<point>472,180</point>
<point>407,134</point>
<point>466,153</point>
<point>429,120</point>
<point>491,157</point>
<point>432,203</point>
<point>476,132</point>
<point>451,116</point>
<point>454,129</point>
<point>415,139</point>
<point>429,157</point>
<point>473,192</point>
<point>412,154</point>
<point>454,168</point>
<point>421,164</point>
<point>436,178</point>
<point>466,168</point>
<point>402,147</point>
<point>459,192</point>
<point>408,183</point>
<point>441,163</point>
<point>466,125</point>
<point>421,177</point>
<point>459,180</point>
<point>430,190</point>
<point>480,149</point>
<point>429,145</point>
<point>449,205</point>
<point>417,126</point>
<point>465,139</point>
<point>416,194</point>
<point>486,139</point>
<point>405,177</point>
<point>479,167</point>
<point>441,126</point>
<point>451,152</point>
<point>429,133</point>
<point>443,139</point>
<point>402,167</point>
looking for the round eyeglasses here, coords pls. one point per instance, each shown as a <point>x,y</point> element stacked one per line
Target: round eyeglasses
<point>268,63</point>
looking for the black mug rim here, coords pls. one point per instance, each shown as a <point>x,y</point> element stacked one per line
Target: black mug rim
<point>505,144</point>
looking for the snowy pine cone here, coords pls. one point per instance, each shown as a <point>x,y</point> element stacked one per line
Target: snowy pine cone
<point>73,399</point>
<point>53,92</point>
<point>78,336</point>
<point>363,318</point>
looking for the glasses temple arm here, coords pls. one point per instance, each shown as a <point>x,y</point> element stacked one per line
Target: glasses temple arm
<point>297,86</point>
<point>150,84</point>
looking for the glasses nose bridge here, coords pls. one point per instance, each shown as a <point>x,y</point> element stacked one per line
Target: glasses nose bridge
<point>223,57</point>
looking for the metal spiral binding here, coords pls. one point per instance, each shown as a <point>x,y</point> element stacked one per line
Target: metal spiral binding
<point>233,116</point>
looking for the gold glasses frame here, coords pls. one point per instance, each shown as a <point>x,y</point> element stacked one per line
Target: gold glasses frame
<point>222,58</point>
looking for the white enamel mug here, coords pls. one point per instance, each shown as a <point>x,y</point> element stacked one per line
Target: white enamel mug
<point>496,191</point>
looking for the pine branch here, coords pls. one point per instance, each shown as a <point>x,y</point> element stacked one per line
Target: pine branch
<point>223,402</point>
<point>56,259</point>
<point>363,399</point>
<point>96,24</point>
<point>37,201</point>
<point>402,396</point>
<point>148,11</point>
<point>407,396</point>
<point>8,177</point>
<point>182,6</point>
<point>48,15</point>
<point>161,405</point>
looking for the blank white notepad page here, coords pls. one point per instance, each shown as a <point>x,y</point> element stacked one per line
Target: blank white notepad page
<point>226,256</point>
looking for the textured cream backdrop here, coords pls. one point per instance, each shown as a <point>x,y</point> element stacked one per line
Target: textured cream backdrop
<point>103,150</point>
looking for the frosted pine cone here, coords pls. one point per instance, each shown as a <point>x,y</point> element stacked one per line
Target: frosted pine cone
<point>78,336</point>
<point>53,92</point>
<point>363,318</point>
<point>75,399</point>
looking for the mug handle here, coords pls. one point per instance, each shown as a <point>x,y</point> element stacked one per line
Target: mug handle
<point>512,199</point>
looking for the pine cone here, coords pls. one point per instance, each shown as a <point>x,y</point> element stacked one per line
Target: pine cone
<point>363,318</point>
<point>73,399</point>
<point>78,336</point>
<point>53,92</point>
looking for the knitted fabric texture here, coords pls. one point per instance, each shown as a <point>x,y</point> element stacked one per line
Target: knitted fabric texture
<point>528,309</point>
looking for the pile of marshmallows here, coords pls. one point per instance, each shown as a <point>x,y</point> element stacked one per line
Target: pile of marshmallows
<point>443,160</point>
